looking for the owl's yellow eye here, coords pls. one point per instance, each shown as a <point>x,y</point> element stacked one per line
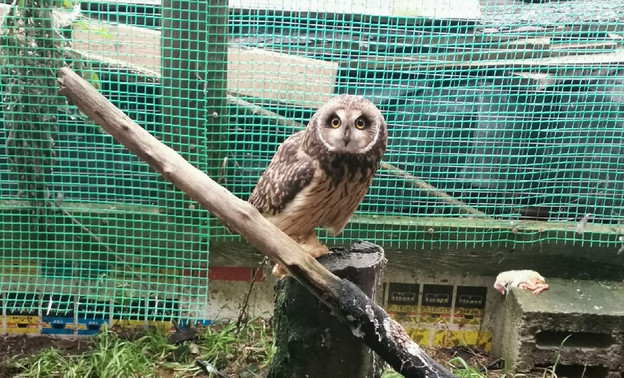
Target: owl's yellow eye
<point>360,124</point>
<point>336,122</point>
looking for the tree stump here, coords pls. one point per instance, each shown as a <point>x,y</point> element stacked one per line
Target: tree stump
<point>310,341</point>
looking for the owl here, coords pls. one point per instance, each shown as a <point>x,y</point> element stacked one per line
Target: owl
<point>319,176</point>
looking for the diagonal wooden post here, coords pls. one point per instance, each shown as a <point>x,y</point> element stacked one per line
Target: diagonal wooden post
<point>345,300</point>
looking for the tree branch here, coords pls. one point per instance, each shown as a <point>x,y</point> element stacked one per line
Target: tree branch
<point>347,302</point>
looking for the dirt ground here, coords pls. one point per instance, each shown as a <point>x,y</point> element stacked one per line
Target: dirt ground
<point>23,345</point>
<point>12,346</point>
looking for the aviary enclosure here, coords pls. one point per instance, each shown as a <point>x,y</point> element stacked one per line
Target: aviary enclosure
<point>505,121</point>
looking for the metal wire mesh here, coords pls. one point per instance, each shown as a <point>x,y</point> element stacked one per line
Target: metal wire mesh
<point>88,230</point>
<point>505,121</point>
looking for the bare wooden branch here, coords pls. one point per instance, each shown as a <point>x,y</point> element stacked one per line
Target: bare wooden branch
<point>456,205</point>
<point>365,318</point>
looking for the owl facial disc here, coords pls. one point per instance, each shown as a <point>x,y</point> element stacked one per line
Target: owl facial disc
<point>348,131</point>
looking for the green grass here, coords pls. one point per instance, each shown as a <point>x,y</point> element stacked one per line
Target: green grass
<point>111,355</point>
<point>463,369</point>
<point>224,347</point>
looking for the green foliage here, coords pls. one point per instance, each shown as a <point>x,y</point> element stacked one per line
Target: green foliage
<point>111,355</point>
<point>217,344</point>
<point>462,369</point>
<point>391,374</point>
<point>32,48</point>
<point>100,30</point>
<point>47,363</point>
<point>114,357</point>
<point>30,53</point>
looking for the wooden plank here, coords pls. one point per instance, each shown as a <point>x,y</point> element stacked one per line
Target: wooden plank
<point>436,9</point>
<point>276,76</point>
<point>432,9</point>
<point>424,62</point>
<point>251,72</point>
<point>536,81</point>
<point>542,43</point>
<point>482,247</point>
<point>587,47</point>
<point>461,257</point>
<point>478,40</point>
<point>461,54</point>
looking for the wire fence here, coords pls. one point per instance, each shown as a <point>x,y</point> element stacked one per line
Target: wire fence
<point>505,120</point>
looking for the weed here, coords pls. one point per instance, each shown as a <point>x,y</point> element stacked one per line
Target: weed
<point>47,363</point>
<point>391,374</point>
<point>113,357</point>
<point>552,372</point>
<point>462,369</point>
<point>109,356</point>
<point>150,355</point>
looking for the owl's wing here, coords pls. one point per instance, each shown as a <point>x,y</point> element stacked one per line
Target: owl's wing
<point>288,173</point>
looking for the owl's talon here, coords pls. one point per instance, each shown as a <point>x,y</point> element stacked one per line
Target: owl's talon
<point>278,271</point>
<point>316,251</point>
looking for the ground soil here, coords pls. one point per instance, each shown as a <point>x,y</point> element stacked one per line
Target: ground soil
<point>23,345</point>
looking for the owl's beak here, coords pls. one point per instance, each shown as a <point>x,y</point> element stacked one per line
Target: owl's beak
<point>346,138</point>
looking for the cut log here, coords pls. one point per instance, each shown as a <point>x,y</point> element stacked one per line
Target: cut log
<point>345,300</point>
<point>310,342</point>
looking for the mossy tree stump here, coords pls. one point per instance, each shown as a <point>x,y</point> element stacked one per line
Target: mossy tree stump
<point>310,341</point>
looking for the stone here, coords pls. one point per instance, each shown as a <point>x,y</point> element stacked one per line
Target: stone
<point>578,325</point>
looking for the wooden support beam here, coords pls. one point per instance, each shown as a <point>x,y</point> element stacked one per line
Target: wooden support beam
<point>424,62</point>
<point>374,327</point>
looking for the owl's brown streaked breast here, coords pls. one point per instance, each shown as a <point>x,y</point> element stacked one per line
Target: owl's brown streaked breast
<point>322,204</point>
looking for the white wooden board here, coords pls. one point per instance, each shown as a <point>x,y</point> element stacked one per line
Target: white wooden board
<point>439,9</point>
<point>251,72</point>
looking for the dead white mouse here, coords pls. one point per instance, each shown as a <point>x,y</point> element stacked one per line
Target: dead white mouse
<point>524,279</point>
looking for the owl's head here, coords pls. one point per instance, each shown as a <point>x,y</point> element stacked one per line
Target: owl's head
<point>348,124</point>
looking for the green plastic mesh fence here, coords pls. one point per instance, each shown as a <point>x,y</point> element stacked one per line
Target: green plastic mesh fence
<point>85,224</point>
<point>505,121</point>
<point>504,111</point>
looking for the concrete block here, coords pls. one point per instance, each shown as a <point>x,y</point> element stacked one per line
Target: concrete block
<point>578,323</point>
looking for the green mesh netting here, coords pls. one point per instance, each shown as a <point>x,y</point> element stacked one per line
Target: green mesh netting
<point>505,121</point>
